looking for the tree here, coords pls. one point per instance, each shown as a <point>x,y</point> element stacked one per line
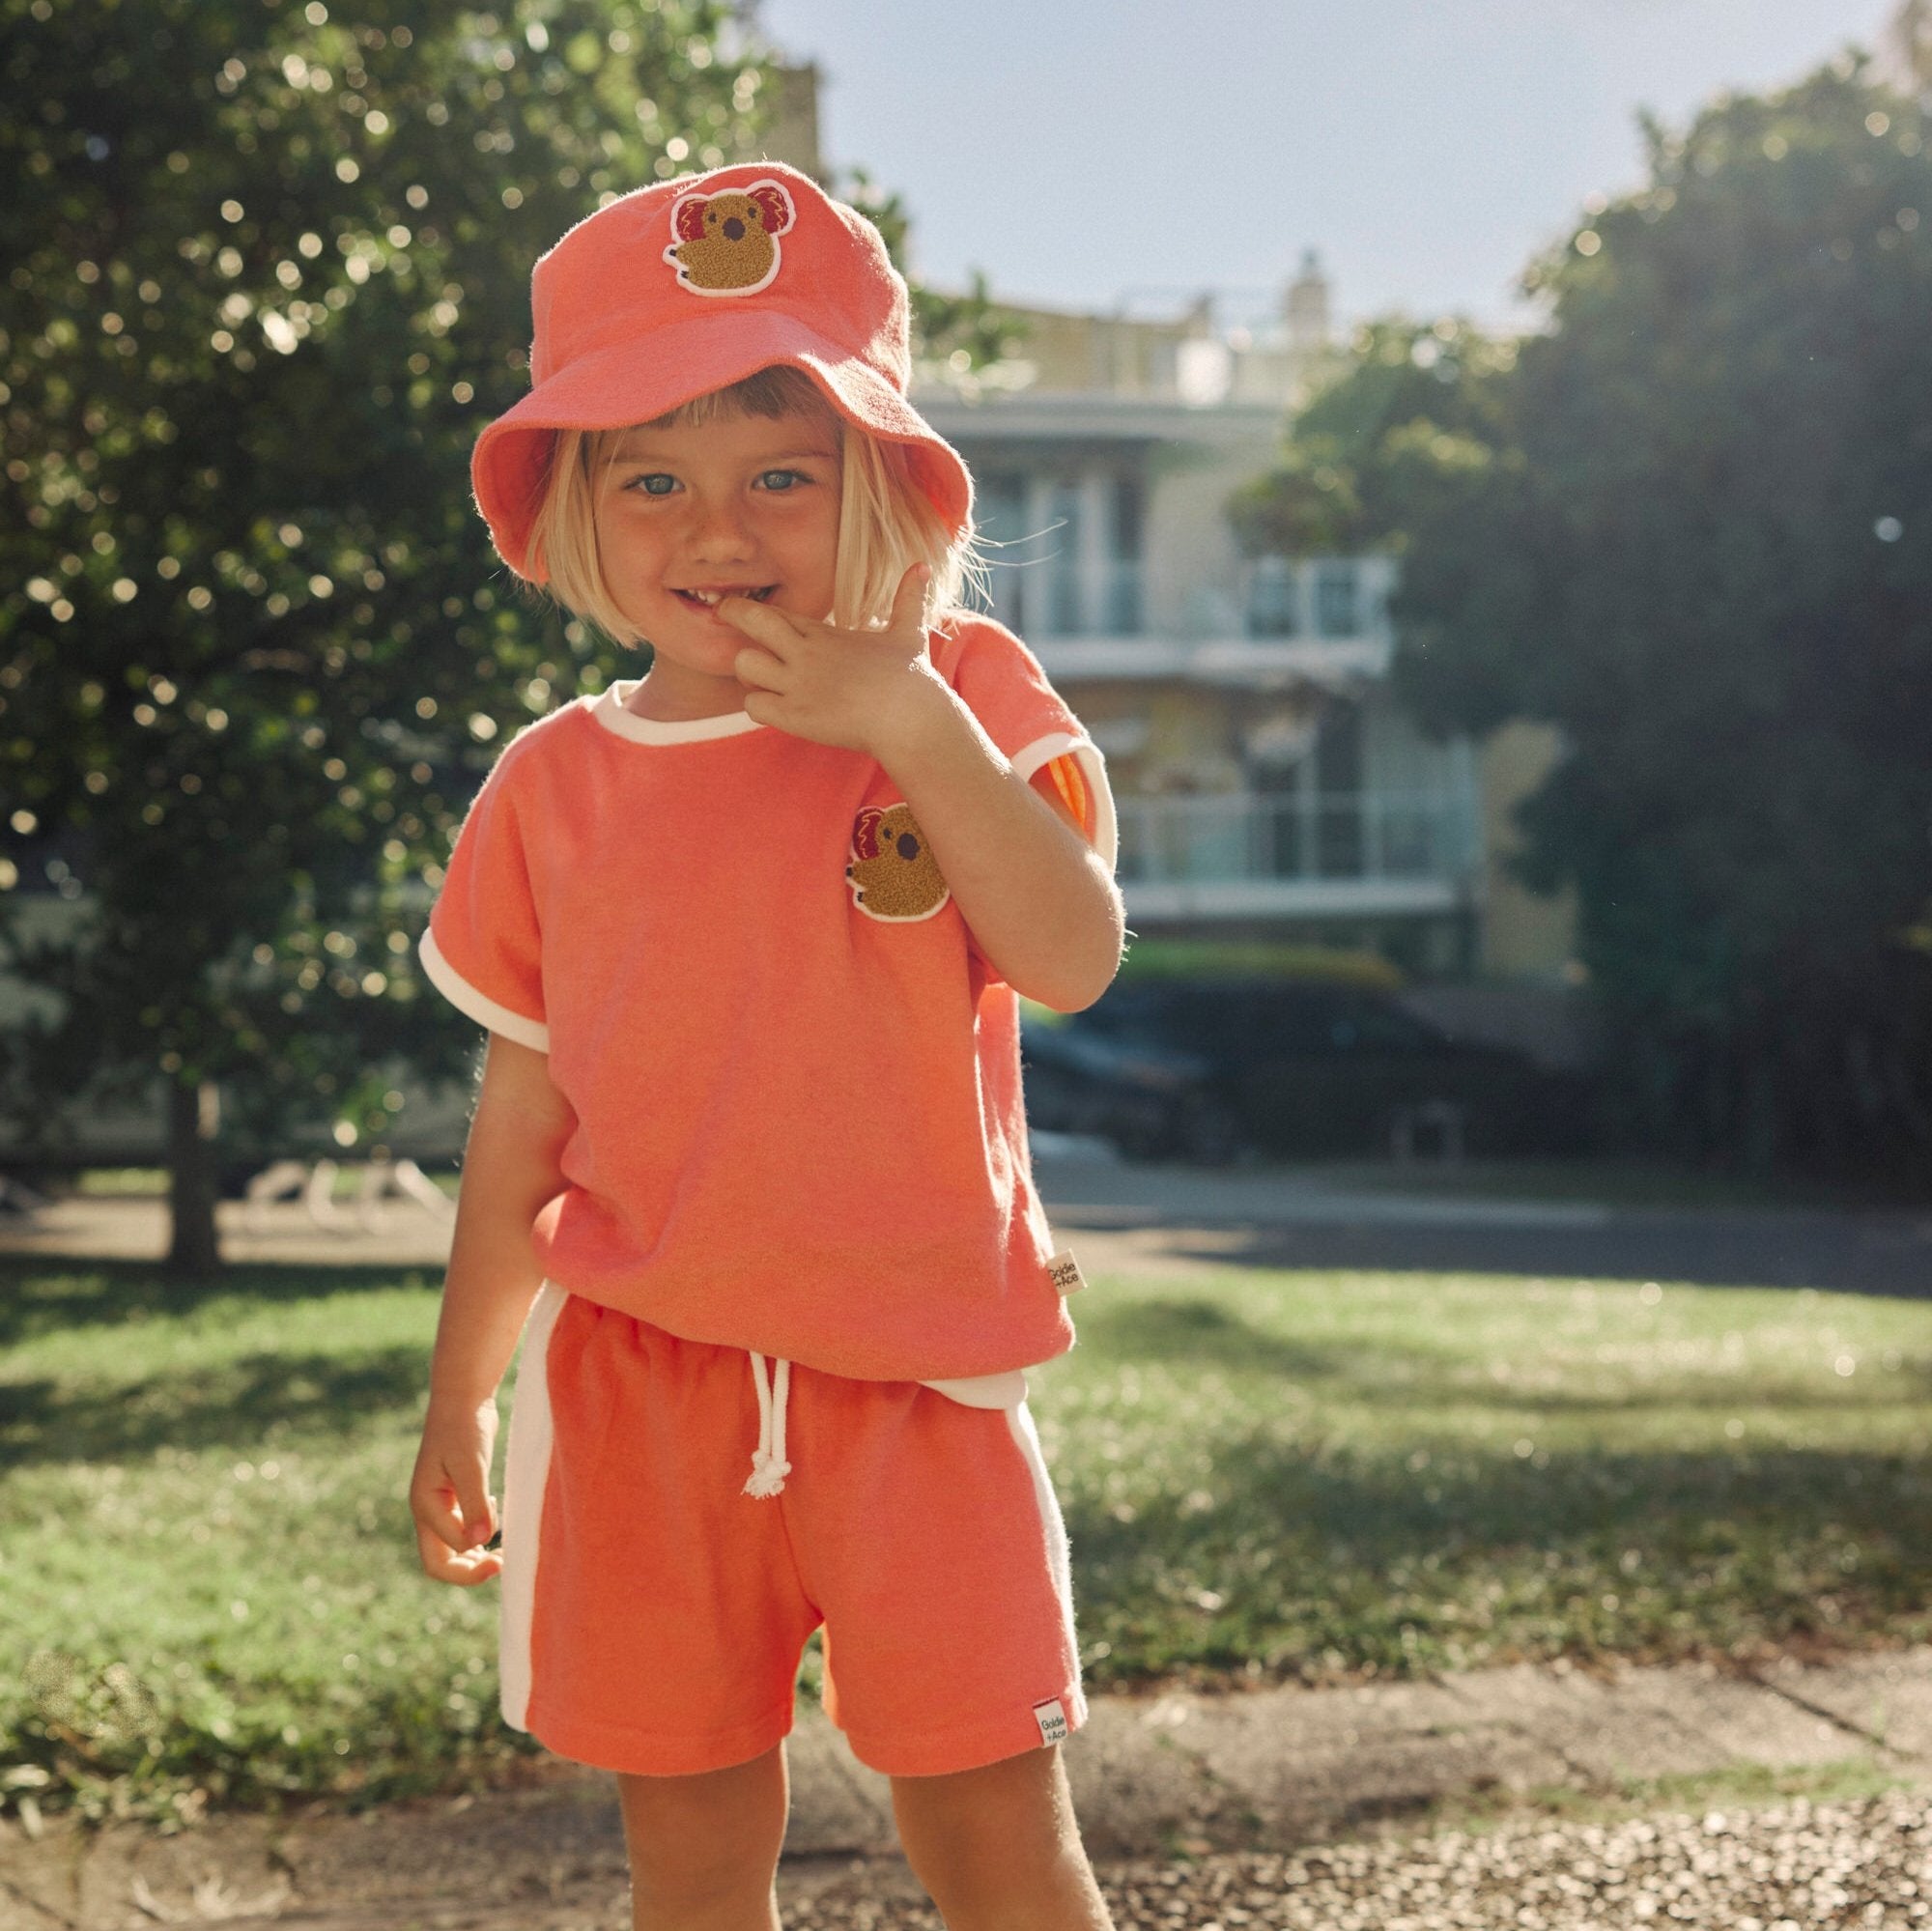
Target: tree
<point>269,273</point>
<point>1691,525</point>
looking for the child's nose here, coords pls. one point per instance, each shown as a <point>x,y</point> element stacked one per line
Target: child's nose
<point>720,529</point>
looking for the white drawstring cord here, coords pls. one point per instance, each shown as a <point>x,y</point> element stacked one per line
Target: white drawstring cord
<point>769,1467</point>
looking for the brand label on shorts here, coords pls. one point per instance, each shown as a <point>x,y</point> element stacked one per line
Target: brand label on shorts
<point>1066,1272</point>
<point>1052,1721</point>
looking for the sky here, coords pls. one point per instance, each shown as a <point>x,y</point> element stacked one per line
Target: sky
<point>1135,154</point>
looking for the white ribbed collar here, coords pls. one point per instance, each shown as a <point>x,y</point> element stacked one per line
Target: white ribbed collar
<point>609,711</point>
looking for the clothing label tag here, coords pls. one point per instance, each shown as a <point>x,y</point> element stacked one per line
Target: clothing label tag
<point>1052,1721</point>
<point>1066,1271</point>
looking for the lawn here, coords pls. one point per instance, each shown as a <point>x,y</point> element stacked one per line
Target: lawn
<point>207,1585</point>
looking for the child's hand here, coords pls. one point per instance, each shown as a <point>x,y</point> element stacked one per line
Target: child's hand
<point>857,689</point>
<point>450,1494</point>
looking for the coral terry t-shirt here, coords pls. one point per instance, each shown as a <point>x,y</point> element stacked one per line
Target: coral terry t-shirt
<point>796,1079</point>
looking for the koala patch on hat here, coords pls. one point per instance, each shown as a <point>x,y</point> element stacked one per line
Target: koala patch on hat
<point>728,244</point>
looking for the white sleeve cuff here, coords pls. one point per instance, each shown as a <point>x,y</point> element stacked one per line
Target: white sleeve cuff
<point>1029,758</point>
<point>482,1009</point>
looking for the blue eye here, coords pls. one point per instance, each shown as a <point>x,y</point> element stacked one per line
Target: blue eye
<point>658,483</point>
<point>780,482</point>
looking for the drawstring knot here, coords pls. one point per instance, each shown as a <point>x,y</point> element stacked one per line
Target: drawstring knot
<point>769,1467</point>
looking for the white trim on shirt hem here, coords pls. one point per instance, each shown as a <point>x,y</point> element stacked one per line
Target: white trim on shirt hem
<point>1029,758</point>
<point>478,1006</point>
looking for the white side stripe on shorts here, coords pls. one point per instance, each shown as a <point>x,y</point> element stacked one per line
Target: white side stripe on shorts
<point>525,1477</point>
<point>1020,1421</point>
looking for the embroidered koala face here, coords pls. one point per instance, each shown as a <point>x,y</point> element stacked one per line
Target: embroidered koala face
<point>728,243</point>
<point>893,874</point>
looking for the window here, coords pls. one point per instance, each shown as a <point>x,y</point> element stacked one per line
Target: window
<point>1064,615</point>
<point>1271,597</point>
<point>1373,1025</point>
<point>1339,765</point>
<point>1124,616</point>
<point>1336,613</point>
<point>999,508</point>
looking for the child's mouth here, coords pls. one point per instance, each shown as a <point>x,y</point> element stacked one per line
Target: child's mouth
<point>709,600</point>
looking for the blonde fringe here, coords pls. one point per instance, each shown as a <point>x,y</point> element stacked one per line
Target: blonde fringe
<point>885,523</point>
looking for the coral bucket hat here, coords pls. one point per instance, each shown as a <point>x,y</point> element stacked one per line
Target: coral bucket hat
<point>691,284</point>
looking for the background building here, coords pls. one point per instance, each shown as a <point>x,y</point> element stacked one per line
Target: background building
<point>1269,785</point>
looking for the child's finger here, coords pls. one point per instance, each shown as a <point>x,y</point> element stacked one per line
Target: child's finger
<point>771,628</point>
<point>470,1487</point>
<point>436,1516</point>
<point>462,1567</point>
<point>909,602</point>
<point>758,667</point>
<point>458,1513</point>
<point>477,1509</point>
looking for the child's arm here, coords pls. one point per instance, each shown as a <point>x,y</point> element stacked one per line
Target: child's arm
<point>510,1170</point>
<point>1038,898</point>
<point>1041,903</point>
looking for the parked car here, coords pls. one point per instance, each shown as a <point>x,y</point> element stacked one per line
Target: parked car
<point>1207,1069</point>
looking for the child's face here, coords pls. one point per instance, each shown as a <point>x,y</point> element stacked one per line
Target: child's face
<point>744,504</point>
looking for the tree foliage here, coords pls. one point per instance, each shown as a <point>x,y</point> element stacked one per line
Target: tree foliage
<point>268,275</point>
<point>1690,524</point>
<point>1413,401</point>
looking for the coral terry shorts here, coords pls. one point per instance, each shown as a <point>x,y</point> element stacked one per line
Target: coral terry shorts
<point>654,1612</point>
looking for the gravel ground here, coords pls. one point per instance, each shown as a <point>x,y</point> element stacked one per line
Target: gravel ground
<point>1799,1866</point>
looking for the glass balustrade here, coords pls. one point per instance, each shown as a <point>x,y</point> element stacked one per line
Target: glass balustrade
<point>1099,600</point>
<point>1352,835</point>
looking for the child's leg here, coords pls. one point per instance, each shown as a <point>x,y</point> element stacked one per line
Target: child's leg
<point>704,1849</point>
<point>997,1847</point>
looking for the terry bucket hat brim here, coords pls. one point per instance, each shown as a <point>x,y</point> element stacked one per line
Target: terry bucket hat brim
<point>626,331</point>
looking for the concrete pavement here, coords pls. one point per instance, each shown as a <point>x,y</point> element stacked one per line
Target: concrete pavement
<point>1132,1215</point>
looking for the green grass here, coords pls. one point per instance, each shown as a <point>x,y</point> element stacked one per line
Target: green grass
<point>208,1583</point>
<point>210,1579</point>
<point>1333,1475</point>
<point>122,1182</point>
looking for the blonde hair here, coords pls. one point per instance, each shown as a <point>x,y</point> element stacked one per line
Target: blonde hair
<point>885,521</point>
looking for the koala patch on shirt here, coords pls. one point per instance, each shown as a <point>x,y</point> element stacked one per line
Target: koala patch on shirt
<point>893,874</point>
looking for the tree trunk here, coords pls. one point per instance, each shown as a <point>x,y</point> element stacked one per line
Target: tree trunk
<point>194,1118</point>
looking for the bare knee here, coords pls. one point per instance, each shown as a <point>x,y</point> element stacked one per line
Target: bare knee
<point>999,1846</point>
<point>704,1848</point>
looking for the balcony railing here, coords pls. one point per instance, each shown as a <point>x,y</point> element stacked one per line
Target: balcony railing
<point>1355,835</point>
<point>1092,599</point>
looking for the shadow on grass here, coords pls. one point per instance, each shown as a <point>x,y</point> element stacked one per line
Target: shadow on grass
<point>232,1406</point>
<point>1461,1495</point>
<point>1478,1558</point>
<point>1181,1329</point>
<point>1836,1253</point>
<point>43,1293</point>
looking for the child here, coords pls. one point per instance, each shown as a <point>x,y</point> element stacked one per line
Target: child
<point>748,1166</point>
